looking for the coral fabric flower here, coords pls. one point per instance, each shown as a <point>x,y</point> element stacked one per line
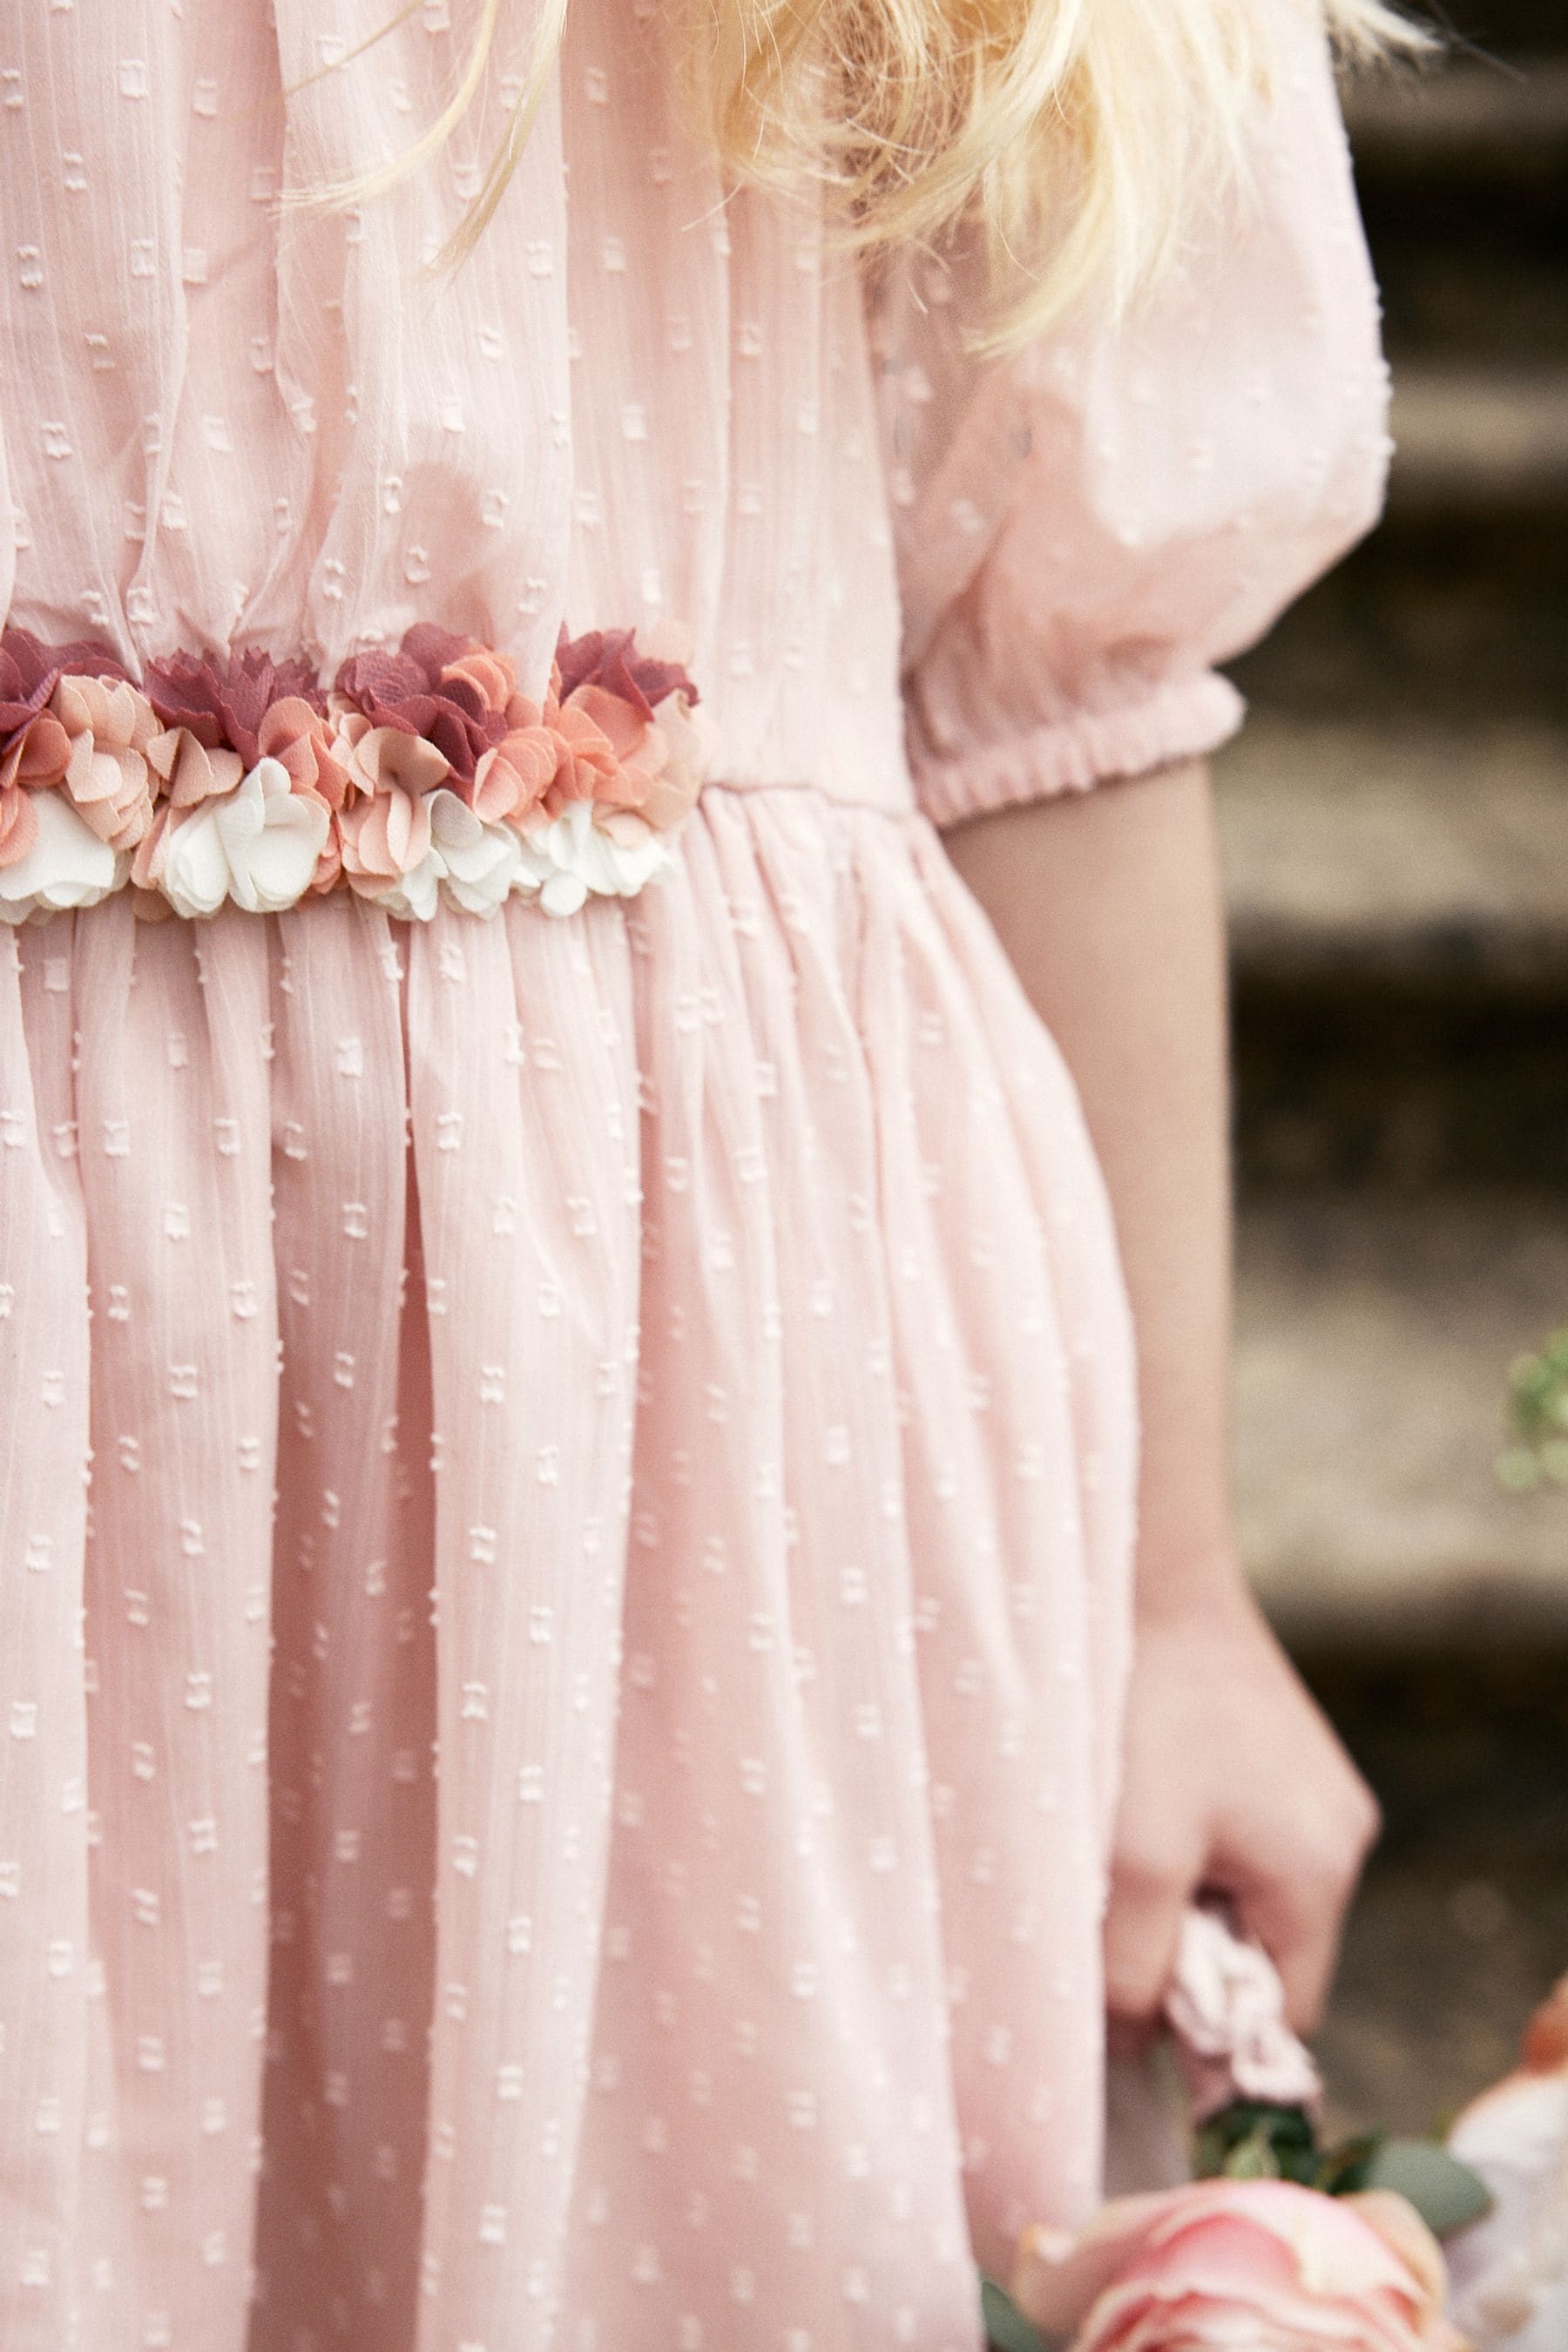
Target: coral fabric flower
<point>616,754</point>
<point>1510,2271</point>
<point>1240,2266</point>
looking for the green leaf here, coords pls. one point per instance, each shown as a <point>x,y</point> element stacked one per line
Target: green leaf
<point>1445,2192</point>
<point>1253,2160</point>
<point>1250,2140</point>
<point>1518,1470</point>
<point>1006,2329</point>
<point>1347,2167</point>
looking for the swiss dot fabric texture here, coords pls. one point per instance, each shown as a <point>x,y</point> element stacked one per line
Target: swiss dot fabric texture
<point>567,1492</point>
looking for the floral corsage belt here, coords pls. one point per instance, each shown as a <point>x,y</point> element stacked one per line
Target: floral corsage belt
<point>420,776</point>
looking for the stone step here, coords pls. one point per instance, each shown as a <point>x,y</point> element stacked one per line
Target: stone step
<point>1463,172</point>
<point>1398,904</point>
<point>1364,855</point>
<point>1452,612</point>
<point>1482,117</point>
<point>1374,1341</point>
<point>1496,28</point>
<point>1470,438</point>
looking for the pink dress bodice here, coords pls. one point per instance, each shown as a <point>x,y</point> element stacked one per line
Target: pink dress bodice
<point>231,418</point>
<point>567,1486</point>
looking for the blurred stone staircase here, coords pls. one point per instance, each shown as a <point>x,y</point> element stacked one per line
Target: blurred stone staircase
<point>1394,824</point>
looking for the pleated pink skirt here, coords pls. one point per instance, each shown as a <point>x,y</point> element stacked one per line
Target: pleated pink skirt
<point>566,1511</point>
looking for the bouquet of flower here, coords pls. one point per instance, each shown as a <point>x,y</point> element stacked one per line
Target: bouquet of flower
<point>1509,2271</point>
<point>1284,2243</point>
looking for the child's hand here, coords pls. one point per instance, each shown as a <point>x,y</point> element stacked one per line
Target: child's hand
<point>1234,1783</point>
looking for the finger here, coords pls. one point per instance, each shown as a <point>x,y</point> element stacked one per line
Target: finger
<point>1142,1926</point>
<point>1298,1915</point>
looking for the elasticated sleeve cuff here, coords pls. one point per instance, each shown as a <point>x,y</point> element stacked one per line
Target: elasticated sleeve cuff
<point>1184,720</point>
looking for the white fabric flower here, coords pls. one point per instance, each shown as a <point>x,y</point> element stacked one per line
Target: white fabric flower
<point>67,865</point>
<point>575,857</point>
<point>480,862</point>
<point>414,896</point>
<point>258,845</point>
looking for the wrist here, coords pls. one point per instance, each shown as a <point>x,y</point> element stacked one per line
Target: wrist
<point>1181,1580</point>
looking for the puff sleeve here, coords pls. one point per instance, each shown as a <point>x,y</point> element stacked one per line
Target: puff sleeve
<point>1086,527</point>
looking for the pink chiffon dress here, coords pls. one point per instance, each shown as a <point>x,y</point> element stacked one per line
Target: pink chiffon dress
<point>566,1480</point>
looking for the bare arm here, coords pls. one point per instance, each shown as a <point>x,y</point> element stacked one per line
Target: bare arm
<point>1109,904</point>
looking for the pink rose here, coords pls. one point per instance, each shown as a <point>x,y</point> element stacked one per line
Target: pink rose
<point>1227,2008</point>
<point>1228,2264</point>
<point>110,728</point>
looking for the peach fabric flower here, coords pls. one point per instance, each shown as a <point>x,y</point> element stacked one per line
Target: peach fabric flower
<point>627,726</point>
<point>299,737</point>
<point>1240,2266</point>
<point>564,802</point>
<point>19,824</point>
<point>191,770</point>
<point>384,838</point>
<point>692,744</point>
<point>110,728</point>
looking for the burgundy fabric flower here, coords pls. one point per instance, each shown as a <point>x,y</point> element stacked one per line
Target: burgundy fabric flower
<point>425,689</point>
<point>222,706</point>
<point>610,658</point>
<point>33,745</point>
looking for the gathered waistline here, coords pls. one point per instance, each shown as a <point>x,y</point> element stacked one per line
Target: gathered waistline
<point>838,793</point>
<point>418,778</point>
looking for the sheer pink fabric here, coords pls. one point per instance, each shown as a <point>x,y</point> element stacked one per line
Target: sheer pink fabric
<point>567,1485</point>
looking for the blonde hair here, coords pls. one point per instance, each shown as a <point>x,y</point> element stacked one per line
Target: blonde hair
<point>1076,133</point>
